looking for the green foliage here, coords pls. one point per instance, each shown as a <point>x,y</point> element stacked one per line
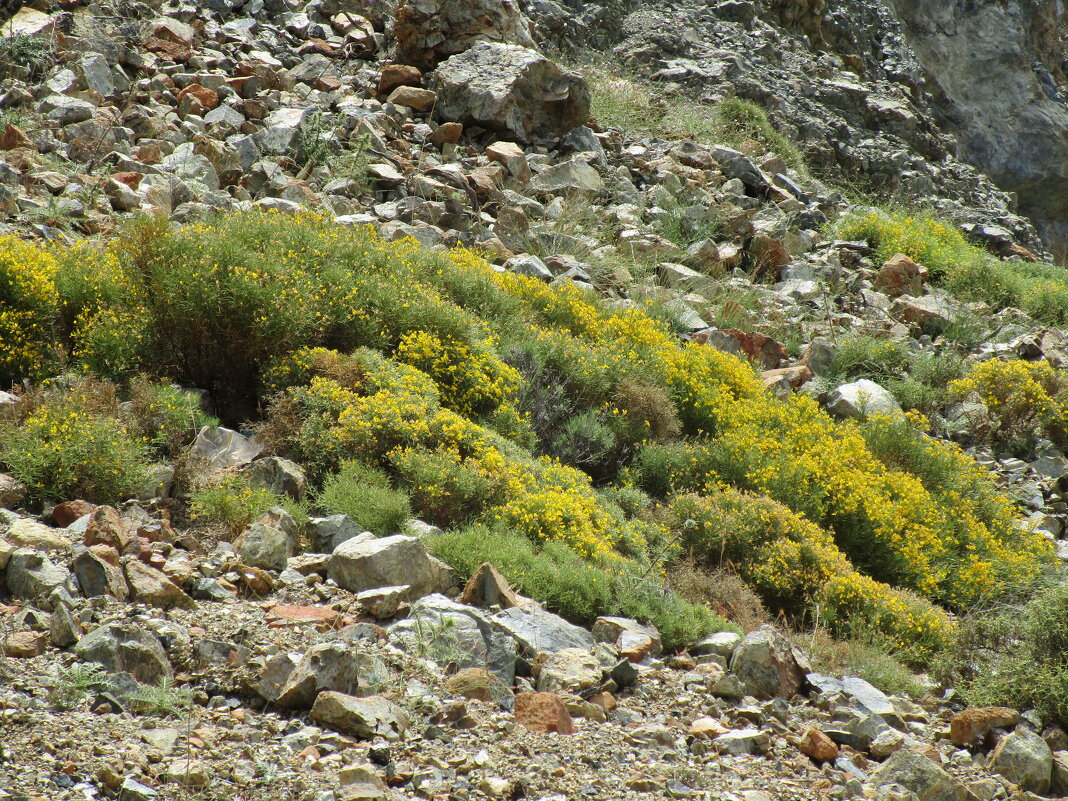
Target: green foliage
<point>862,656</point>
<point>621,101</point>
<point>967,270</point>
<point>232,502</point>
<point>25,50</point>
<point>65,444</point>
<point>163,700</point>
<point>575,588</point>
<point>166,416</point>
<point>446,489</point>
<point>77,683</point>
<point>313,140</point>
<point>1014,656</point>
<point>364,494</point>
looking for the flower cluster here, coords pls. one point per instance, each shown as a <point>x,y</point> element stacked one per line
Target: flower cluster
<point>28,305</point>
<point>1024,397</point>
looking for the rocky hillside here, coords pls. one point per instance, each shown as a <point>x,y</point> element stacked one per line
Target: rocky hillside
<point>441,400</point>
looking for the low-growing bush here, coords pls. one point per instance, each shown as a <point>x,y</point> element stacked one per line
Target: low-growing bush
<point>365,495</point>
<point>1026,399</point>
<point>166,416</point>
<point>69,444</point>
<point>29,305</point>
<point>721,590</point>
<point>231,501</point>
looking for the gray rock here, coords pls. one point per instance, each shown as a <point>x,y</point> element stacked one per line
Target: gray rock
<point>96,576</point>
<point>628,635</point>
<point>768,665</point>
<point>573,175</point>
<point>31,575</point>
<point>918,774</point>
<point>277,475</point>
<point>327,533</point>
<point>861,398</point>
<point>530,266</point>
<point>863,695</point>
<point>64,110</point>
<point>63,630</point>
<point>328,666</point>
<point>571,670</point>
<point>264,545</point>
<point>743,741</point>
<point>722,643</point>
<point>365,718</point>
<point>153,587</point>
<point>538,631</point>
<point>12,491</point>
<point>512,90</point>
<point>133,790</point>
<point>126,647</point>
<point>450,632</point>
<point>930,314</point>
<point>358,565</point>
<point>1024,759</point>
<point>429,31</point>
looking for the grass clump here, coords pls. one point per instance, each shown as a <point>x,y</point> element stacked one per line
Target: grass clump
<point>967,270</point>
<point>78,683</point>
<point>231,501</point>
<point>619,100</point>
<point>163,700</point>
<point>365,495</point>
<point>864,657</point>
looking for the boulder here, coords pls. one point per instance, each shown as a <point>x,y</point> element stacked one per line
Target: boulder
<point>481,685</point>
<point>918,774</point>
<point>487,587</point>
<point>365,718</point>
<point>106,527</point>
<point>126,647</point>
<point>328,666</point>
<point>450,632</point>
<point>151,586</point>
<point>817,745</point>
<point>544,713</point>
<point>265,545</point>
<point>12,491</point>
<point>98,576</point>
<point>326,533</point>
<point>899,276</point>
<point>570,670</point>
<point>573,175</point>
<point>971,725</point>
<point>26,532</point>
<point>430,31</point>
<point>540,632</point>
<point>929,314</point>
<point>1024,759</point>
<point>633,640</point>
<point>768,665</point>
<point>512,90</point>
<point>358,565</point>
<point>31,575</point>
<point>861,398</point>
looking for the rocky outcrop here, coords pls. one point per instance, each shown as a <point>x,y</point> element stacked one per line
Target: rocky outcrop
<point>993,71</point>
<point>430,31</point>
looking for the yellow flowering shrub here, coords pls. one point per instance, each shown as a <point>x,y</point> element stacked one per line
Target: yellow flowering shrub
<point>1024,397</point>
<point>29,303</point>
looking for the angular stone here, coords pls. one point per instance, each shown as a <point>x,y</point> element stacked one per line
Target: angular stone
<point>327,533</point>
<point>429,31</point>
<point>31,575</point>
<point>278,475</point>
<point>1024,759</point>
<point>121,647</point>
<point>264,545</point>
<point>106,527</point>
<point>151,586</point>
<point>917,773</point>
<point>512,90</point>
<point>930,314</point>
<point>394,75</point>
<point>768,665</point>
<point>97,576</point>
<point>899,276</point>
<point>364,718</point>
<point>26,532</point>
<point>573,175</point>
<point>512,157</point>
<point>743,741</point>
<point>540,632</point>
<point>817,745</point>
<point>543,713</point>
<point>413,97</point>
<point>12,491</point>
<point>67,512</point>
<point>633,640</point>
<point>571,670</point>
<point>479,684</point>
<point>389,561</point>
<point>25,644</point>
<point>972,725</point>
<point>327,666</point>
<point>450,632</point>
<point>487,587</point>
<point>861,398</point>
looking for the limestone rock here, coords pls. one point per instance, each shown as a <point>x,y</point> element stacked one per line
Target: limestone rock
<point>861,398</point>
<point>1024,759</point>
<point>768,665</point>
<point>359,565</point>
<point>151,586</point>
<point>364,718</point>
<point>31,575</point>
<point>540,632</point>
<point>917,773</point>
<point>430,31</point>
<point>571,670</point>
<point>512,90</point>
<point>128,648</point>
<point>327,666</point>
<point>544,713</point>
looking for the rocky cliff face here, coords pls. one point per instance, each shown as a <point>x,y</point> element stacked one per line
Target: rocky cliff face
<point>993,74</point>
<point>957,105</point>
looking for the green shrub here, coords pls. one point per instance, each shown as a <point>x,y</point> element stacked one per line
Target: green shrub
<point>862,656</point>
<point>68,447</point>
<point>167,416</point>
<point>862,355</point>
<point>1015,656</point>
<point>446,490</point>
<point>232,502</point>
<point>364,494</point>
<point>575,588</point>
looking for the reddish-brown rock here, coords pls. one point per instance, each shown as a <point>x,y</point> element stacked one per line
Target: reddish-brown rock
<point>973,724</point>
<point>206,97</point>
<point>394,75</point>
<point>67,512</point>
<point>25,644</point>
<point>543,712</point>
<point>760,348</point>
<point>817,745</point>
<point>14,137</point>
<point>106,527</point>
<point>899,276</point>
